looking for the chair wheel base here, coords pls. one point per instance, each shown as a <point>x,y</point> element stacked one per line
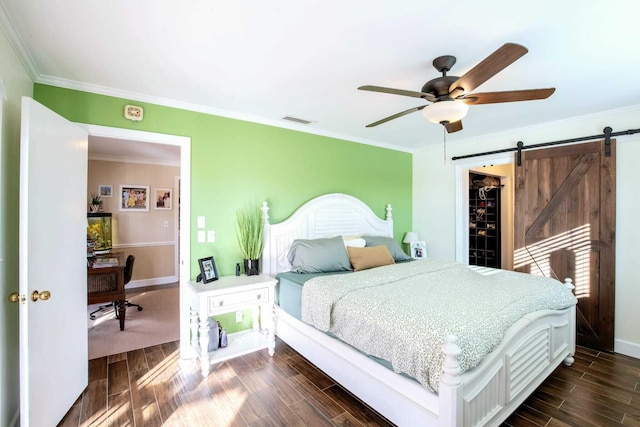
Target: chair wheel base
<point>139,308</point>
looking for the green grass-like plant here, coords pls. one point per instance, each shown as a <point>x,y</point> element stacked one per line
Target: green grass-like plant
<point>250,232</point>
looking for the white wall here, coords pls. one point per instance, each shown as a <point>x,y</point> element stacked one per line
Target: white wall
<point>18,84</point>
<point>434,200</point>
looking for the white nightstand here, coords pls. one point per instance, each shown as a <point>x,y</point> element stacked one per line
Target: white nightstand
<point>228,294</point>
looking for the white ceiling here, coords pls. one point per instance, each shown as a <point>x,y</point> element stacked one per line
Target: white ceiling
<point>263,60</point>
<point>119,150</point>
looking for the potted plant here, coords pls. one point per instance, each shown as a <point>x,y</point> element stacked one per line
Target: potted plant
<point>95,203</point>
<point>250,233</point>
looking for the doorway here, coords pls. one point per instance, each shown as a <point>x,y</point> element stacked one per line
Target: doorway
<point>484,220</point>
<point>501,167</point>
<point>183,208</point>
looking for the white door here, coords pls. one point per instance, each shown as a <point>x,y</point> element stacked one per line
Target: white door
<point>53,200</point>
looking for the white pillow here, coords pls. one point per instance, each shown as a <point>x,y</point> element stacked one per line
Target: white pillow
<point>283,260</point>
<point>355,243</point>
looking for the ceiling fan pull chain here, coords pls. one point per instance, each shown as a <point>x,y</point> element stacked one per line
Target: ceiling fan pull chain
<point>444,133</point>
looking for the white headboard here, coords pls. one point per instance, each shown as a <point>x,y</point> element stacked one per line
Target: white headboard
<point>325,216</point>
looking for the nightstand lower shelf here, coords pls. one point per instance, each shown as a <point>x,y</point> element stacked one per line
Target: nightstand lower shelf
<point>239,343</point>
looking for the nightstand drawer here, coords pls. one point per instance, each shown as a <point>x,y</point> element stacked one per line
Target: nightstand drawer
<point>244,298</point>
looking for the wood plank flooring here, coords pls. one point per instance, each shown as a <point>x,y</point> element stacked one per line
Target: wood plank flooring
<point>148,387</point>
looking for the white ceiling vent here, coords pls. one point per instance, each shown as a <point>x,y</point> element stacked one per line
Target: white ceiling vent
<point>297,120</point>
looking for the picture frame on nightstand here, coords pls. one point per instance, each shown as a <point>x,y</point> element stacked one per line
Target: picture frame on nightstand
<point>208,270</point>
<point>418,250</point>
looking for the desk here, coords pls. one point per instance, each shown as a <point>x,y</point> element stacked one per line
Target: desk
<point>228,294</point>
<point>106,284</point>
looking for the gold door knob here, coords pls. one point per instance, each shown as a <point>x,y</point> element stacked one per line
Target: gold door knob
<point>44,295</point>
<point>15,297</point>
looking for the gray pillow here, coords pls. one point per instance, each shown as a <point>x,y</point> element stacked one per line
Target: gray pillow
<point>394,247</point>
<point>318,255</point>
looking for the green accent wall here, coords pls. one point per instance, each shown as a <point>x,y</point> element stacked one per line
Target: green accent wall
<point>235,164</point>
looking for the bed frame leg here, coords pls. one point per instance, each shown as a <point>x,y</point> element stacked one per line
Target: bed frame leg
<point>449,396</point>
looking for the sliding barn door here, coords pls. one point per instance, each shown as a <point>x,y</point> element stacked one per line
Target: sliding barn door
<point>565,227</point>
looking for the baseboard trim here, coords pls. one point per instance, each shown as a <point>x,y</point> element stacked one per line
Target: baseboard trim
<point>151,282</point>
<point>627,348</point>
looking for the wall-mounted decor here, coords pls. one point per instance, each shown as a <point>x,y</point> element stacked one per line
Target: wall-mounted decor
<point>105,191</point>
<point>208,271</point>
<point>418,249</point>
<point>162,198</point>
<point>134,197</point>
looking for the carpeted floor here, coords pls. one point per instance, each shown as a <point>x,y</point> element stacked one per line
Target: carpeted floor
<point>157,323</point>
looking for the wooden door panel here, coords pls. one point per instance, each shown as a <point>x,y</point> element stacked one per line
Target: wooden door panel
<point>565,227</point>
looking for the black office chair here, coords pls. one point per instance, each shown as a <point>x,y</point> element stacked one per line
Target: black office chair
<point>128,272</point>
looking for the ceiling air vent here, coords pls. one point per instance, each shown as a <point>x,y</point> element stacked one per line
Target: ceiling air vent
<point>297,120</point>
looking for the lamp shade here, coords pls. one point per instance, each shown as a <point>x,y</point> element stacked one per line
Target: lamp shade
<point>445,111</point>
<point>410,236</point>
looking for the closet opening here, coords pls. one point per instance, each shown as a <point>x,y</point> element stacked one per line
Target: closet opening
<point>484,220</point>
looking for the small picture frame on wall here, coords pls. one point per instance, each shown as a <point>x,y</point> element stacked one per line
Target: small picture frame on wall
<point>162,197</point>
<point>208,271</point>
<point>134,198</point>
<point>418,250</point>
<point>105,190</point>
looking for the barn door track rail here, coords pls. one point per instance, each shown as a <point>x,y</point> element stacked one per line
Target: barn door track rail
<point>607,134</point>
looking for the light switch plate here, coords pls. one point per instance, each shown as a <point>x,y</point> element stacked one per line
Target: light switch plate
<point>200,222</point>
<point>211,236</point>
<point>200,236</point>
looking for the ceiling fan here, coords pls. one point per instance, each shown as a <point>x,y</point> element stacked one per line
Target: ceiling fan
<point>450,96</point>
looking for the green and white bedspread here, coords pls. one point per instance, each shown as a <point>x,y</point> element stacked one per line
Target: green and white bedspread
<point>402,313</point>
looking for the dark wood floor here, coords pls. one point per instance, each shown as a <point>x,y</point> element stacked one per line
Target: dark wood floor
<point>148,388</point>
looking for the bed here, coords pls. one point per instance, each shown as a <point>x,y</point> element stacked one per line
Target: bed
<point>486,394</point>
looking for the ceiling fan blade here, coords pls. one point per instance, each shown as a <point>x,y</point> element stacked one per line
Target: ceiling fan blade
<point>395,116</point>
<point>453,126</point>
<point>506,55</point>
<point>507,96</point>
<point>427,96</point>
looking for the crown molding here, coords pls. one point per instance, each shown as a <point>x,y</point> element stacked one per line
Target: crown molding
<point>140,97</point>
<point>16,42</point>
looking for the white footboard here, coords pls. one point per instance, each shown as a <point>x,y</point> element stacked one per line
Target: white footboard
<point>485,395</point>
<point>529,353</point>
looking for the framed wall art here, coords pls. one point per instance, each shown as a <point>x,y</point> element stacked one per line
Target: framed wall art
<point>162,197</point>
<point>105,190</point>
<point>134,198</point>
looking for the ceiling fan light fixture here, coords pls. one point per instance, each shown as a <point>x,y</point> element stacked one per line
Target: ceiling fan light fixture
<point>445,111</point>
